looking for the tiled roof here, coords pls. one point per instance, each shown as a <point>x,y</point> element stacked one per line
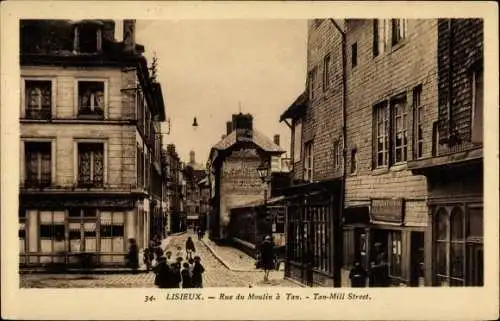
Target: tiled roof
<point>258,139</point>
<point>296,108</point>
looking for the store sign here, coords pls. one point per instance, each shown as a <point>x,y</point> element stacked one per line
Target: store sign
<point>388,210</point>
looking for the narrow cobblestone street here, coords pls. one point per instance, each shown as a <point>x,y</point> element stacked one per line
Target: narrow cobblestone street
<point>216,274</point>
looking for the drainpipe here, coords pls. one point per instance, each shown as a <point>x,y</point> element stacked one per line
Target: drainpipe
<point>338,228</point>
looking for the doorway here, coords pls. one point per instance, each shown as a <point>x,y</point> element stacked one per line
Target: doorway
<point>417,259</point>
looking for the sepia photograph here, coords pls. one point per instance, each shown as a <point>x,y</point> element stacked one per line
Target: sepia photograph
<point>274,153</point>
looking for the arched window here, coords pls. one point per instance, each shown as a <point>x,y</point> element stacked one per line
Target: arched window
<point>457,248</point>
<point>442,227</point>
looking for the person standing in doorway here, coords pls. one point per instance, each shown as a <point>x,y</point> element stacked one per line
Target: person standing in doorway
<point>267,256</point>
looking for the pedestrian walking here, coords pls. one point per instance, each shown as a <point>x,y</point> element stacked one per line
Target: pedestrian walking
<point>191,266</point>
<point>190,249</point>
<point>267,256</point>
<point>379,272</point>
<point>200,233</point>
<point>198,270</point>
<point>186,277</point>
<point>357,275</point>
<point>168,256</point>
<point>132,259</point>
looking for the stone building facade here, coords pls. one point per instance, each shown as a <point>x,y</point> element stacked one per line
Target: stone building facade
<point>90,143</point>
<point>369,108</point>
<point>233,175</point>
<point>193,174</point>
<point>454,170</point>
<point>391,106</point>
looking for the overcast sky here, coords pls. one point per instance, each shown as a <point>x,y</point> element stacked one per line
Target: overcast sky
<point>207,67</point>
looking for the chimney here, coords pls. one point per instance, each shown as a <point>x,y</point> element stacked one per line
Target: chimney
<point>108,31</point>
<point>277,139</point>
<point>191,157</point>
<point>229,127</point>
<point>129,35</point>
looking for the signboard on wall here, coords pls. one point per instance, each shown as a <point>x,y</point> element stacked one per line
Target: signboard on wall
<point>387,210</point>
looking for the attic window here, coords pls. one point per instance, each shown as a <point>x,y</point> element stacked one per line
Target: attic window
<point>88,38</point>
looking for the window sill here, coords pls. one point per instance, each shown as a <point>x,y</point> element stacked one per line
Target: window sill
<point>399,167</point>
<point>398,46</point>
<point>380,171</point>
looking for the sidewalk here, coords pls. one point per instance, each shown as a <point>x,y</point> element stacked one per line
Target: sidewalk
<point>232,258</point>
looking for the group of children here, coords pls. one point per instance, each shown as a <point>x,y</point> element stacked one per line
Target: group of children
<point>171,273</point>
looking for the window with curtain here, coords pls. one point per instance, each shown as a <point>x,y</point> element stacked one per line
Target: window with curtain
<point>399,131</point>
<point>380,36</point>
<point>90,164</point>
<point>38,161</point>
<point>90,98</point>
<point>297,140</point>
<point>38,99</point>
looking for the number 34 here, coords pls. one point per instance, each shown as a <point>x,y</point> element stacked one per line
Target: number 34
<point>149,298</point>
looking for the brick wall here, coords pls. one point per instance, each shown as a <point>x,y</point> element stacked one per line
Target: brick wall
<point>395,72</point>
<point>120,139</point>
<point>467,50</point>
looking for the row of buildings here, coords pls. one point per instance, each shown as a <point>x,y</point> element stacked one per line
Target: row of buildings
<point>94,172</point>
<point>386,149</point>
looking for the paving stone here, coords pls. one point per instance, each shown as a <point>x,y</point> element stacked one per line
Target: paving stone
<point>216,274</point>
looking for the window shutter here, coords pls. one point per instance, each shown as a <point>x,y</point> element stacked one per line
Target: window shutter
<point>477,109</point>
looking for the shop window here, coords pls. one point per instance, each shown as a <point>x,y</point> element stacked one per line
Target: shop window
<point>395,258</point>
<point>55,232</point>
<point>91,98</point>
<point>455,252</point>
<point>418,122</point>
<point>90,164</point>
<point>111,231</point>
<point>38,99</point>
<point>38,162</point>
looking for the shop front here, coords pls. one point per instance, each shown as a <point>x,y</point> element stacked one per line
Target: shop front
<point>66,231</point>
<point>311,217</point>
<point>375,232</point>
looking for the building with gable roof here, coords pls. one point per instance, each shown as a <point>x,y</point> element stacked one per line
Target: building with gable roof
<point>233,175</point>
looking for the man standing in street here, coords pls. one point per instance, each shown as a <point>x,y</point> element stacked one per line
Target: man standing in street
<point>267,256</point>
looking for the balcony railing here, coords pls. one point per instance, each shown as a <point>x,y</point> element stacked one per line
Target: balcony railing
<point>88,183</point>
<point>38,114</point>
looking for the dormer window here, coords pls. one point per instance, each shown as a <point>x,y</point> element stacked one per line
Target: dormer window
<point>88,37</point>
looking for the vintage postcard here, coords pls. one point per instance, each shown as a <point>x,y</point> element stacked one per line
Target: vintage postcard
<point>249,160</point>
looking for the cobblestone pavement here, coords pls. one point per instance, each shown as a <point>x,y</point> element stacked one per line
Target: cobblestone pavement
<point>216,274</point>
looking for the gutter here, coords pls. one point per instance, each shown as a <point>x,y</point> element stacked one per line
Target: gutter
<point>338,228</point>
